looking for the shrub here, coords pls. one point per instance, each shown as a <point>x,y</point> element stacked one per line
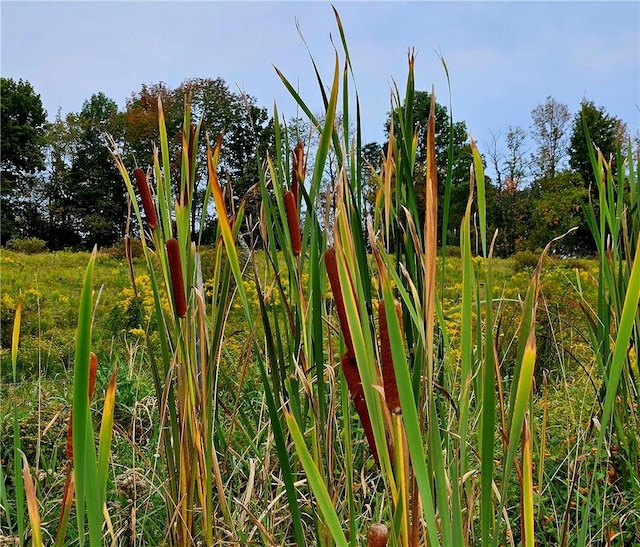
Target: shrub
<point>27,245</point>
<point>452,251</point>
<point>524,259</point>
<point>118,249</point>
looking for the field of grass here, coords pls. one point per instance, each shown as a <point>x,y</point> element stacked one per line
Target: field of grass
<point>343,382</point>
<point>50,286</point>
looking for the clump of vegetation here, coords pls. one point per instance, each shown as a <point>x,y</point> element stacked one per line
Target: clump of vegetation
<point>331,377</point>
<point>523,260</point>
<point>27,245</point>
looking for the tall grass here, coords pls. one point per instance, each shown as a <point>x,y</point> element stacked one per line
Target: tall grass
<point>614,222</point>
<point>388,426</point>
<point>458,455</point>
<point>186,356</point>
<point>88,464</point>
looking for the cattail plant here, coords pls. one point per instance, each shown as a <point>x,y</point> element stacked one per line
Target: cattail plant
<point>614,224</point>
<point>354,384</point>
<point>293,222</point>
<point>177,281</point>
<point>378,535</point>
<point>185,368</point>
<point>145,196</point>
<point>298,169</point>
<point>386,358</point>
<point>93,370</point>
<point>332,273</point>
<point>429,467</point>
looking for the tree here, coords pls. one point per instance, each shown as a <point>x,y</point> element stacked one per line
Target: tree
<point>557,209</point>
<point>605,131</point>
<point>56,192</point>
<point>462,157</point>
<point>98,208</point>
<point>22,126</point>
<point>549,131</point>
<point>371,161</point>
<point>510,167</point>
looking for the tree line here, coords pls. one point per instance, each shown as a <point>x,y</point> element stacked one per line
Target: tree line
<point>59,182</point>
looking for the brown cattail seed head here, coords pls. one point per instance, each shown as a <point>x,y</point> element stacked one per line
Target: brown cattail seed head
<point>177,282</point>
<point>378,535</point>
<point>386,359</point>
<point>145,196</point>
<point>352,375</point>
<point>292,221</point>
<point>334,281</point>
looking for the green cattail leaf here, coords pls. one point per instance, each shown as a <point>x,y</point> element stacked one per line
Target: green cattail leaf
<point>625,328</point>
<point>106,430</point>
<point>84,455</point>
<point>482,206</point>
<point>527,486</point>
<point>521,401</point>
<point>316,482</point>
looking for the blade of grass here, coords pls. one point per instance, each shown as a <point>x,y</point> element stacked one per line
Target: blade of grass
<point>85,466</point>
<point>106,430</point>
<point>32,503</point>
<point>19,484</point>
<point>316,482</point>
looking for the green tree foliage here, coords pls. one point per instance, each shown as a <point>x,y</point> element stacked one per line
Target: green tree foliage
<point>22,126</point>
<point>98,207</point>
<point>605,131</point>
<point>507,200</point>
<point>557,209</point>
<point>371,160</point>
<point>56,195</point>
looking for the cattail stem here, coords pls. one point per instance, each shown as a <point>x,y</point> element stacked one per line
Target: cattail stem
<point>334,281</point>
<point>177,281</point>
<point>386,359</point>
<point>293,222</point>
<point>145,196</point>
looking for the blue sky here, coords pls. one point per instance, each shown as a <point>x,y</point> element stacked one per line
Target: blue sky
<point>504,58</point>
